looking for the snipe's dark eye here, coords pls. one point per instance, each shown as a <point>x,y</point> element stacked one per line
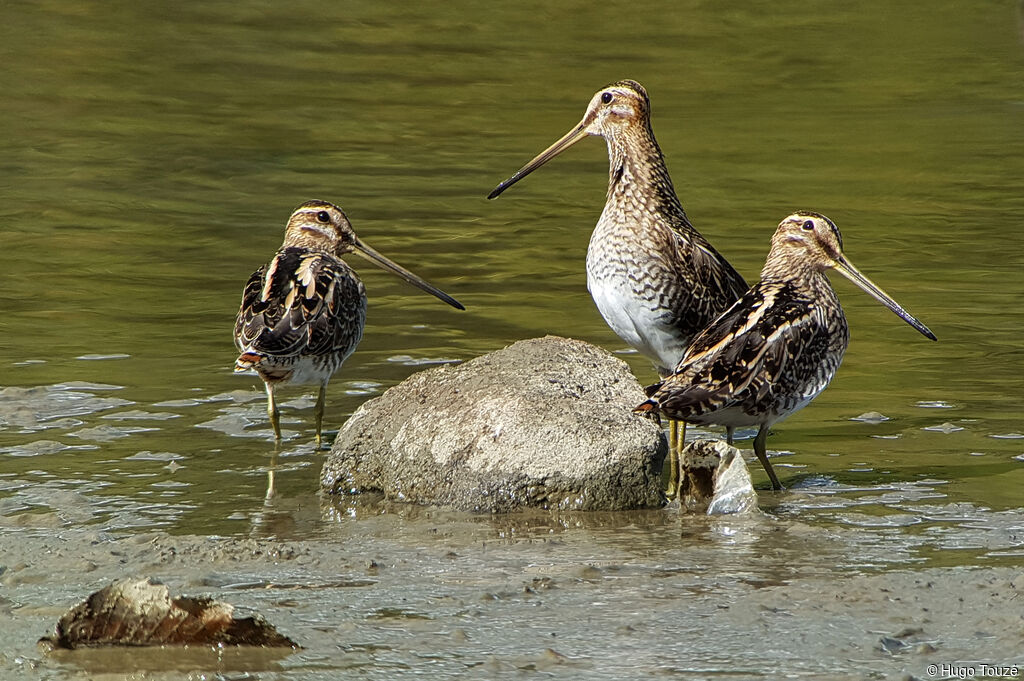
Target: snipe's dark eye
<point>606,97</point>
<point>323,216</point>
<point>808,225</point>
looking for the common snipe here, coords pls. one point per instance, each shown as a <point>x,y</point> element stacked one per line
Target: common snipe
<point>655,279</point>
<point>303,313</point>
<point>776,348</point>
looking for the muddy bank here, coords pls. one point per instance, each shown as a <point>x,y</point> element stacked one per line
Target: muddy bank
<point>391,591</point>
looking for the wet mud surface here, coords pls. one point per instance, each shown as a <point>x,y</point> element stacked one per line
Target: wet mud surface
<point>392,591</point>
<point>833,579</point>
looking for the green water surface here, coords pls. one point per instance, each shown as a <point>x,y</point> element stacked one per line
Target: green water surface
<point>151,152</point>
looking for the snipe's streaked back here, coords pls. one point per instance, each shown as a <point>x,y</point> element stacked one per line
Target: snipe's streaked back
<point>655,279</point>
<point>303,313</point>
<point>778,346</point>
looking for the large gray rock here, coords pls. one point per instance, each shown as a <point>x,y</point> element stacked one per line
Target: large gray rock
<point>545,422</point>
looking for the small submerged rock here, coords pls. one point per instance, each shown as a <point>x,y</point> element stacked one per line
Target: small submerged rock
<point>546,422</point>
<point>715,479</point>
<point>139,612</point>
<point>945,428</point>
<point>871,417</point>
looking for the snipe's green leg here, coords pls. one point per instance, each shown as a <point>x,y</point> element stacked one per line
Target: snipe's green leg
<point>273,412</point>
<point>762,455</point>
<point>318,413</point>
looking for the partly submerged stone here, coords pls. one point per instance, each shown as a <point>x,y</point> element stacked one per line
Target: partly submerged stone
<point>715,479</point>
<point>545,422</point>
<point>139,612</point>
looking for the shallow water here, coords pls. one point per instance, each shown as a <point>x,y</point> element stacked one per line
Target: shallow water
<point>151,155</point>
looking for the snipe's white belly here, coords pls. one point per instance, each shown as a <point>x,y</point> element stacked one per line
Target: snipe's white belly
<point>634,309</point>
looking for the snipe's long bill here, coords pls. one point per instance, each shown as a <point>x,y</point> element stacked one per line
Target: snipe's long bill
<point>583,129</point>
<point>304,312</point>
<point>380,261</point>
<point>846,268</point>
<point>778,346</point>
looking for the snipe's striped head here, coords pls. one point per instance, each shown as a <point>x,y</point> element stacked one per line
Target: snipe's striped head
<point>810,239</point>
<point>615,106</point>
<point>320,225</point>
